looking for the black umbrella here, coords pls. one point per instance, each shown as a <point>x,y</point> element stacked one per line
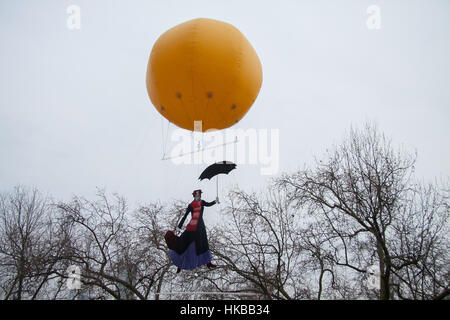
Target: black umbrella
<point>215,169</point>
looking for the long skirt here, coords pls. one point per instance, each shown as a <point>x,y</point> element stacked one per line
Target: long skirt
<point>192,250</point>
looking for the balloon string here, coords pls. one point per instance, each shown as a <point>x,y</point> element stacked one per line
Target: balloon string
<point>165,137</point>
<point>199,161</point>
<point>162,135</point>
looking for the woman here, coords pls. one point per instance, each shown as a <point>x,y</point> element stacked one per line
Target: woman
<point>192,249</point>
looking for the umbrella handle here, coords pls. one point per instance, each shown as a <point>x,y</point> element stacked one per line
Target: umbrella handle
<point>217,186</point>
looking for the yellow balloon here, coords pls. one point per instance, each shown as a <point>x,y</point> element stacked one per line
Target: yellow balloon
<point>203,70</point>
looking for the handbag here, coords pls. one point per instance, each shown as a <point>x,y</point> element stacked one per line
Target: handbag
<point>171,240</point>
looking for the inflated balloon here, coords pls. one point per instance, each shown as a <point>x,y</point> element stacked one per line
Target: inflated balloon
<point>203,70</point>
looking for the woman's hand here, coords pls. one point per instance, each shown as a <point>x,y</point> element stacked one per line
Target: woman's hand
<point>217,200</point>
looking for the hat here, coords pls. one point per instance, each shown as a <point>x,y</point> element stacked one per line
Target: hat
<point>198,190</point>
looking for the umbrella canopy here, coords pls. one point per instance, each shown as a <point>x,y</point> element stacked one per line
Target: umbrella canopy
<point>217,168</point>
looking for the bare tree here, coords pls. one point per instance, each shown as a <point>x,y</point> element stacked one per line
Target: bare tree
<point>101,245</point>
<point>122,253</point>
<point>313,234</point>
<point>31,244</point>
<point>258,242</point>
<point>420,245</point>
<point>359,191</point>
<point>151,223</point>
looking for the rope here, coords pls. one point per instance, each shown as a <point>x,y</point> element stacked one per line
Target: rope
<point>165,137</point>
<point>200,150</point>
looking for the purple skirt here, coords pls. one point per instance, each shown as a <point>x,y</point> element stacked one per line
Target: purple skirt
<point>189,259</point>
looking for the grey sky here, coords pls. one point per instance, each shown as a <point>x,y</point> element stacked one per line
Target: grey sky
<point>74,111</point>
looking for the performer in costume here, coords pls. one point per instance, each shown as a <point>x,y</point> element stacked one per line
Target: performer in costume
<point>192,249</point>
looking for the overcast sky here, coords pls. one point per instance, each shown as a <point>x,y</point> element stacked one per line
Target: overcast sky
<point>75,114</point>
